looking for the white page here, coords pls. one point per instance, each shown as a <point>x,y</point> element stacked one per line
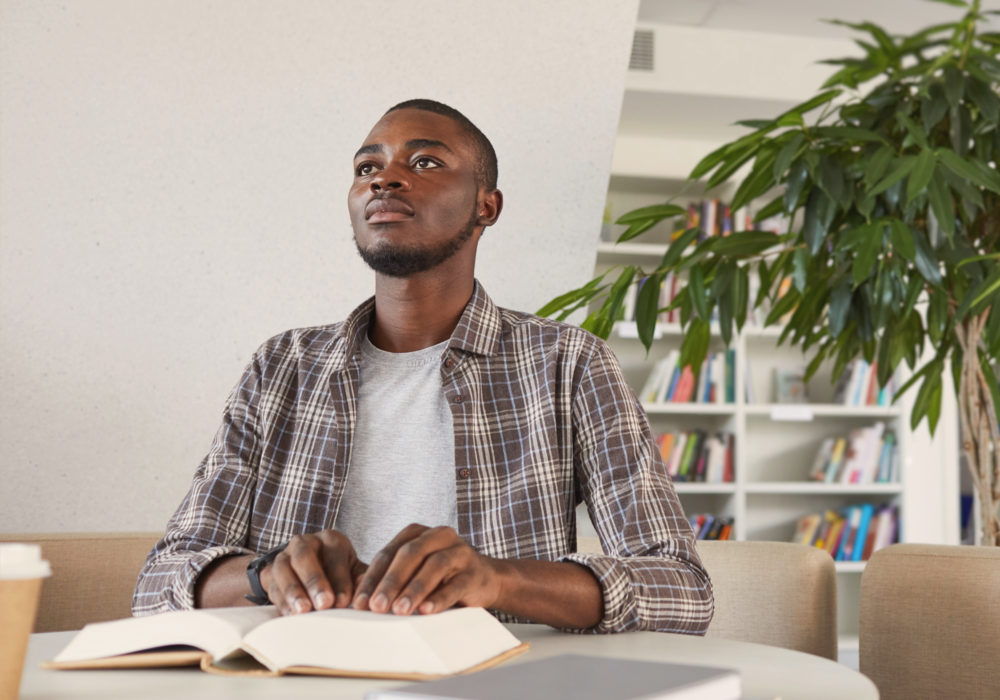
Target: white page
<point>217,631</point>
<point>365,641</point>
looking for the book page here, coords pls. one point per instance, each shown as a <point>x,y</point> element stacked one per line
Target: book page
<point>363,641</point>
<point>217,631</point>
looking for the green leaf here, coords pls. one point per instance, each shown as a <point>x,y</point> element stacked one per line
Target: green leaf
<point>979,258</point>
<point>934,107</point>
<point>657,212</point>
<point>820,210</point>
<point>726,318</point>
<point>731,164</point>
<point>787,154</point>
<point>985,99</point>
<point>877,164</point>
<point>957,132</point>
<point>709,162</point>
<point>568,298</point>
<point>867,254</point>
<point>605,319</point>
<point>916,133</point>
<point>923,404</point>
<point>774,207</point>
<point>636,229</point>
<point>967,170</point>
<point>745,243</point>
<point>941,204</point>
<point>925,261</point>
<point>646,309</point>
<point>989,290</point>
<point>758,182</point>
<point>831,177</point>
<point>783,306</point>
<point>696,285</point>
<point>840,306</point>
<point>677,248</point>
<point>799,264</point>
<point>809,105</point>
<point>694,346</point>
<point>793,185</point>
<point>848,133</point>
<point>991,381</point>
<point>961,186</point>
<point>741,294</point>
<point>790,119</point>
<point>901,167</point>
<point>913,289</point>
<point>954,85</point>
<point>902,239</point>
<point>756,123</point>
<point>920,177</point>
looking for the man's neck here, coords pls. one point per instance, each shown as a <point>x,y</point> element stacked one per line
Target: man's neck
<point>417,312</point>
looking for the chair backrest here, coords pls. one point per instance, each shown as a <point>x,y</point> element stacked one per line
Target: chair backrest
<point>93,575</point>
<point>930,622</point>
<point>773,593</point>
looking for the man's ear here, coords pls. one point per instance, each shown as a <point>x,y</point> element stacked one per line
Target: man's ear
<point>490,206</point>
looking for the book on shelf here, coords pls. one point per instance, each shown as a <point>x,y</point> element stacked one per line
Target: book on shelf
<point>582,678</point>
<point>790,385</point>
<point>851,534</point>
<point>858,386</point>
<point>258,642</point>
<point>714,383</point>
<point>708,526</point>
<point>865,456</point>
<point>695,456</point>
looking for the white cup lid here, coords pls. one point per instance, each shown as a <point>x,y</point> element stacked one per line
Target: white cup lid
<point>22,561</point>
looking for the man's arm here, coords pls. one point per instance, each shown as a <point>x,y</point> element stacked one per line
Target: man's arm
<point>212,521</point>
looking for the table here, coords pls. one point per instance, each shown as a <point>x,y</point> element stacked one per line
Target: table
<point>767,672</point>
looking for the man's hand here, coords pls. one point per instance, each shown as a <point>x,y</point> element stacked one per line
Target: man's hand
<point>315,572</point>
<point>428,570</point>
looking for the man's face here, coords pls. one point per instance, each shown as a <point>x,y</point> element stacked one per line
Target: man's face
<point>414,200</point>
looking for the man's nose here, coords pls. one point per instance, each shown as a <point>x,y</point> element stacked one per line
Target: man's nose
<point>393,177</point>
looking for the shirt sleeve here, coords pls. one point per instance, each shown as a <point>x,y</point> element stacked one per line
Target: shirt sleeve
<point>213,519</point>
<point>651,576</point>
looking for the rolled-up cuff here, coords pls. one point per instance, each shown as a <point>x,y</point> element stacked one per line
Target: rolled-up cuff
<point>169,583</point>
<point>619,612</point>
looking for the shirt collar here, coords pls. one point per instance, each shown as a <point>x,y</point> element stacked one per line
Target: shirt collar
<point>478,330</point>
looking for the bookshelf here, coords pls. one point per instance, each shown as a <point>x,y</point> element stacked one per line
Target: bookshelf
<point>775,444</point>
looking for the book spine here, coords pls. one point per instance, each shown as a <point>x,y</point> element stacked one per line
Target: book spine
<point>859,541</point>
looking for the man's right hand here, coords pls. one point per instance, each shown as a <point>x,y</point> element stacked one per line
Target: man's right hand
<point>315,572</point>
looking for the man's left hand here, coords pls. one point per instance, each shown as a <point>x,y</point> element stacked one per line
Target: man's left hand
<point>428,570</point>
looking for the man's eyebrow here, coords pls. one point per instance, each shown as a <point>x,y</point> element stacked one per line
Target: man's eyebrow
<point>369,148</point>
<point>414,144</point>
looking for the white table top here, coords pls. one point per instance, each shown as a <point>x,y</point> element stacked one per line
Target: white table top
<point>766,672</point>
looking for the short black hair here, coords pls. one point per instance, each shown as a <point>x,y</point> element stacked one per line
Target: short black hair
<point>486,157</point>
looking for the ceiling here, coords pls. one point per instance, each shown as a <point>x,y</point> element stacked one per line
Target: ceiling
<point>801,17</point>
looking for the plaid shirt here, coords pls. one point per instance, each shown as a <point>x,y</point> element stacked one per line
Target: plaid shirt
<point>543,418</point>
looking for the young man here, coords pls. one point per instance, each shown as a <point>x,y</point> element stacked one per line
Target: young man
<point>429,405</point>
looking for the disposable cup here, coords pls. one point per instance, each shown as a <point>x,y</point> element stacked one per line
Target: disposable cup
<point>22,571</point>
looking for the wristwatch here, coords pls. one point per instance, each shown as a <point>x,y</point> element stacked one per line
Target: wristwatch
<point>254,568</point>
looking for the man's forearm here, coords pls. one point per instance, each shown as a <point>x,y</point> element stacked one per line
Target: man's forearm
<point>224,583</point>
<point>559,594</point>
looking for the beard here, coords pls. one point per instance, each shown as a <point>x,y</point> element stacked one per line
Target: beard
<point>408,260</point>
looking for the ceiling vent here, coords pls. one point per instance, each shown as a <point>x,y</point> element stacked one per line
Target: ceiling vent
<point>642,50</point>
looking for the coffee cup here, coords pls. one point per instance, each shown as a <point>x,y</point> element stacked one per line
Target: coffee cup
<point>22,571</point>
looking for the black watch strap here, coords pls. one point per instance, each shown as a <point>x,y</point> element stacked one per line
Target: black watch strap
<point>254,568</point>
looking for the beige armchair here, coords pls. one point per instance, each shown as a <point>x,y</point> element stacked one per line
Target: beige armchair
<point>773,593</point>
<point>930,622</point>
<point>93,575</point>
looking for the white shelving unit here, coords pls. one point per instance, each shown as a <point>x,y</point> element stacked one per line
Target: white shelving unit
<point>774,444</point>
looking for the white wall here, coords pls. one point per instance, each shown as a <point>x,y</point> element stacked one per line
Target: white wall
<point>174,175</point>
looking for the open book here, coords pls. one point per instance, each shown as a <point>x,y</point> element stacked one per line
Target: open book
<point>256,641</point>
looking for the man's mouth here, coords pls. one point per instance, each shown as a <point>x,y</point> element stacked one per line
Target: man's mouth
<point>386,209</point>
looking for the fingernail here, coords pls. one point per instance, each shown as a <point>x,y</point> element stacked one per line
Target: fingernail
<point>380,603</point>
<point>343,600</point>
<point>301,605</point>
<point>323,599</point>
<point>427,608</point>
<point>360,600</point>
<point>402,606</point>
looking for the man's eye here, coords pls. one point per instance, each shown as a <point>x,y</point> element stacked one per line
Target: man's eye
<point>425,164</point>
<point>365,169</point>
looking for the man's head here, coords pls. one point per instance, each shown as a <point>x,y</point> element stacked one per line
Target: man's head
<point>424,185</point>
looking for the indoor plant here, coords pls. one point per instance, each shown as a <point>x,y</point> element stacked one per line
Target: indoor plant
<point>890,178</point>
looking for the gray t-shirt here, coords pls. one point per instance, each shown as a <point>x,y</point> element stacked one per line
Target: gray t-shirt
<point>402,467</point>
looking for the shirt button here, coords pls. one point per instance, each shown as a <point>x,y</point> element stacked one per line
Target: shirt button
<point>458,399</point>
<point>464,473</point>
<point>449,362</point>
